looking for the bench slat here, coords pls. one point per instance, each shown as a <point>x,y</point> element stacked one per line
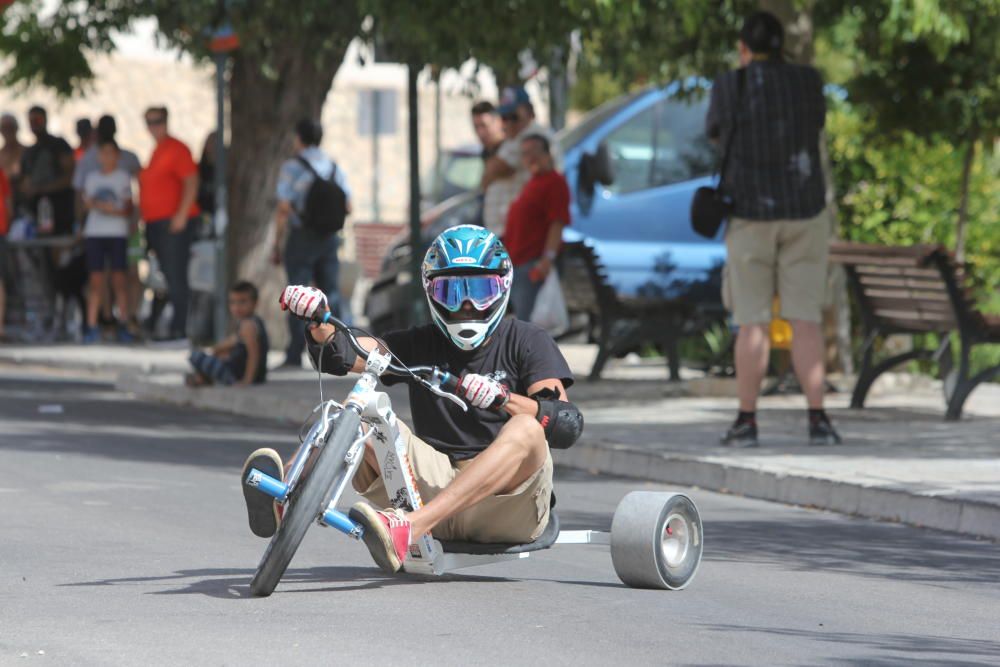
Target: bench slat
<point>881,282</point>
<point>914,315</point>
<point>935,309</point>
<point>917,326</point>
<point>904,271</point>
<point>916,295</point>
<point>868,260</point>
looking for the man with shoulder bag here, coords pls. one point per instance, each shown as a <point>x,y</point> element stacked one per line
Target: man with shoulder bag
<point>771,114</point>
<point>313,202</point>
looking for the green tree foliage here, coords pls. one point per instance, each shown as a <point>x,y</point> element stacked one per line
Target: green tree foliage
<point>634,43</point>
<point>902,189</point>
<point>927,75</point>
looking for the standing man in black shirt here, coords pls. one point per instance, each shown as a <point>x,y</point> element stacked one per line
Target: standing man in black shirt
<point>486,474</point>
<point>47,176</point>
<point>778,235</point>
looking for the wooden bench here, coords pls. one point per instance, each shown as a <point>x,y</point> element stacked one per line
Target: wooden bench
<point>912,290</point>
<point>618,324</point>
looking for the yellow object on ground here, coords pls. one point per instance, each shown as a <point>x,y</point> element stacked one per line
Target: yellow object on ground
<point>781,330</point>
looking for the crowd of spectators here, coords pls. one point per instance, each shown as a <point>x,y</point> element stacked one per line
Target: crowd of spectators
<point>76,208</point>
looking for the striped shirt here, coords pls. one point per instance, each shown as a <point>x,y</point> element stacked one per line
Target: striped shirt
<point>774,170</point>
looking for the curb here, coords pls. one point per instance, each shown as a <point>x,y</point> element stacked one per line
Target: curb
<point>99,366</point>
<point>222,400</point>
<point>953,515</point>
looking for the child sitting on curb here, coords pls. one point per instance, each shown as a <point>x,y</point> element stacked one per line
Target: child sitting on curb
<point>240,358</point>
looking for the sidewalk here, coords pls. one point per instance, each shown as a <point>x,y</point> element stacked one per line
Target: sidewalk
<point>902,462</point>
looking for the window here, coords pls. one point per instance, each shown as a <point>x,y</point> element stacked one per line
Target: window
<point>630,148</point>
<point>662,145</point>
<point>680,148</point>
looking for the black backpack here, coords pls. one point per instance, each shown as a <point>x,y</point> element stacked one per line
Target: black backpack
<point>326,203</point>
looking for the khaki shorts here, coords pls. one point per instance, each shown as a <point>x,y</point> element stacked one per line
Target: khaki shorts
<point>516,517</point>
<point>787,258</point>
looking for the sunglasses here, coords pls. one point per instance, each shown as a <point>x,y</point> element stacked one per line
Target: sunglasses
<point>155,121</point>
<point>509,117</point>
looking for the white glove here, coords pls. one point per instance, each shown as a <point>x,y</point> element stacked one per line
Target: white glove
<point>303,301</point>
<point>481,391</point>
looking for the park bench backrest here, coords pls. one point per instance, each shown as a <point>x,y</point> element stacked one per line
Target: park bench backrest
<point>584,280</point>
<point>906,289</point>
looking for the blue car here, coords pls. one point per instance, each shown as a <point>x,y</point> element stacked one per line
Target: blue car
<point>632,165</point>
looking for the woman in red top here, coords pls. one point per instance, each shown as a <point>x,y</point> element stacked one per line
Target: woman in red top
<point>535,221</point>
<point>167,190</point>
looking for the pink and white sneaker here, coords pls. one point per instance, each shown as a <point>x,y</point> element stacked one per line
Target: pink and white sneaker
<point>387,534</point>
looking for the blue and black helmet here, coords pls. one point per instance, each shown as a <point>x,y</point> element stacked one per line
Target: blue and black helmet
<point>467,264</point>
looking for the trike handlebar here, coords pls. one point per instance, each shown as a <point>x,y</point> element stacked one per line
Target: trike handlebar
<point>438,381</point>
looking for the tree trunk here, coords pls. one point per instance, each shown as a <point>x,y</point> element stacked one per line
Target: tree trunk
<point>263,112</point>
<point>963,206</point>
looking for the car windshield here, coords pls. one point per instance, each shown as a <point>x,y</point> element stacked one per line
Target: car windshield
<point>571,136</point>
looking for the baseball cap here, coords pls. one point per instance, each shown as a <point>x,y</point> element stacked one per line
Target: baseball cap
<point>511,98</point>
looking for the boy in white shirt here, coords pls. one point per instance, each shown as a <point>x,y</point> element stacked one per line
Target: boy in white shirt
<point>107,196</point>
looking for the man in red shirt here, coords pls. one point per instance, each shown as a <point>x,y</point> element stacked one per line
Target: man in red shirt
<point>168,187</point>
<point>535,221</point>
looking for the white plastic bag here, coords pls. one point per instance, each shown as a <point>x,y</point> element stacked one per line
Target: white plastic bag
<point>550,307</point>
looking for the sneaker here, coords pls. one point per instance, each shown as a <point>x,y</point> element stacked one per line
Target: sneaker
<point>124,336</point>
<point>387,534</point>
<point>740,435</point>
<point>263,511</point>
<point>91,335</point>
<point>821,432</point>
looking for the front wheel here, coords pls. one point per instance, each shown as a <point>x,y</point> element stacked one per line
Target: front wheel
<point>311,498</point>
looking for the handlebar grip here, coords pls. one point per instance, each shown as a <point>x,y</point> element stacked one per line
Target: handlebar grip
<point>449,383</point>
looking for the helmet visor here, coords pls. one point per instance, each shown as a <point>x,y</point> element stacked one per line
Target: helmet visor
<point>482,291</point>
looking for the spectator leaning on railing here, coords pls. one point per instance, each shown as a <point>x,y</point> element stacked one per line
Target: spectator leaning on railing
<point>167,190</point>
<point>778,233</point>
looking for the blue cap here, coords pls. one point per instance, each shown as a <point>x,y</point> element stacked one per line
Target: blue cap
<point>511,98</point>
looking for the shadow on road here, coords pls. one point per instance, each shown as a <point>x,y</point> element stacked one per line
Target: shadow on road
<point>234,583</point>
<point>859,547</point>
<point>916,649</point>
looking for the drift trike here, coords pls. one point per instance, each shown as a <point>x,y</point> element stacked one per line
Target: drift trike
<point>656,538</point>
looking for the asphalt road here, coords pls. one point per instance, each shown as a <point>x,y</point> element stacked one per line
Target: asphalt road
<point>123,541</point>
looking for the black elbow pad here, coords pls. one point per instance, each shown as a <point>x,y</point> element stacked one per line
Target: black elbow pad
<point>562,421</point>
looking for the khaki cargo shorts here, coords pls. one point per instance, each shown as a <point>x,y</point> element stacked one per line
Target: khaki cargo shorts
<point>516,517</point>
<point>787,258</point>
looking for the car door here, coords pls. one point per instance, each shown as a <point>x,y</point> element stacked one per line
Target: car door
<point>640,222</point>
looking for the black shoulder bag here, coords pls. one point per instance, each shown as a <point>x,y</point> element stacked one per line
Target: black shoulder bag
<point>711,206</point>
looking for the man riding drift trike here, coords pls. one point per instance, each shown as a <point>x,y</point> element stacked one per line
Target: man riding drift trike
<point>484,475</point>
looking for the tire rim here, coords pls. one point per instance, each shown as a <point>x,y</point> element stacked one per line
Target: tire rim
<point>675,540</point>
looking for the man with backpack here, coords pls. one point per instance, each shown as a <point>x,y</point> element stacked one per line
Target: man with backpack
<point>313,201</point>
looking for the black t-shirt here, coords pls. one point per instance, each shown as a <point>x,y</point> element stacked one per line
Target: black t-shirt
<point>41,164</point>
<point>518,354</point>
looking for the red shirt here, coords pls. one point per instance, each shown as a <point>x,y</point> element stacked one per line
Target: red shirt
<point>160,183</point>
<point>543,201</point>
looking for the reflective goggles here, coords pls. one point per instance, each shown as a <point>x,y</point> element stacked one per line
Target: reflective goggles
<point>482,291</point>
